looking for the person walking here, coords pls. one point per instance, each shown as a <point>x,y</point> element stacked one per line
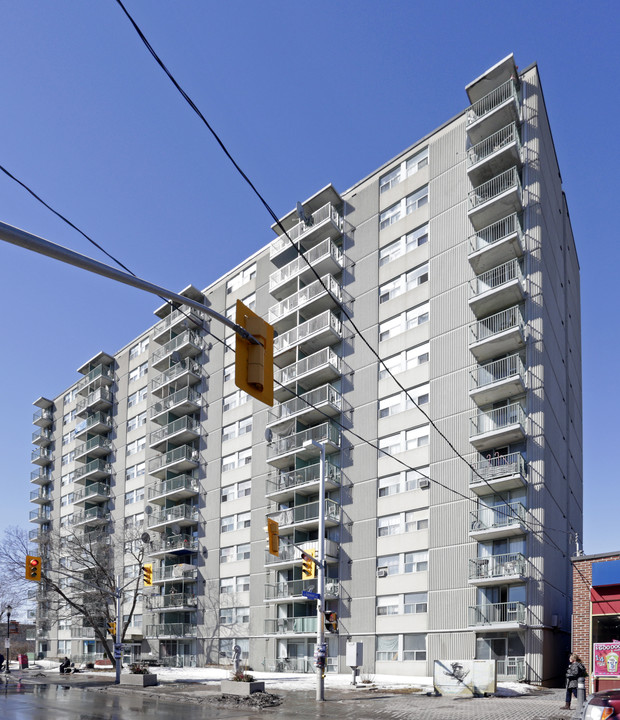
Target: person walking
<point>574,671</point>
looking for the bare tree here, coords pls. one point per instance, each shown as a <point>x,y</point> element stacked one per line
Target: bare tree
<point>79,575</point>
<point>13,586</point>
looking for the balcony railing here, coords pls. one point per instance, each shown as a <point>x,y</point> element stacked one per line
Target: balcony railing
<point>511,668</point>
<point>307,512</point>
<point>187,338</point>
<point>171,602</point>
<point>171,630</point>
<point>39,516</point>
<point>326,394</point>
<point>181,571</point>
<point>42,437</point>
<point>325,321</point>
<point>95,468</point>
<point>183,424</point>
<point>185,456</point>
<point>303,476</point>
<point>324,249</point>
<point>41,477</point>
<point>487,469</point>
<point>323,214</point>
<point>100,398</point>
<point>176,484</point>
<point>492,613</point>
<point>41,456</point>
<point>43,418</point>
<point>102,373</point>
<point>497,566</point>
<point>42,495</point>
<point>173,514</point>
<point>97,422</point>
<point>496,371</point>
<point>498,140</point>
<point>92,515</point>
<point>96,445</point>
<point>185,396</point>
<point>496,277</point>
<point>497,516</point>
<point>489,102</point>
<point>292,553</point>
<point>176,544</point>
<point>306,365</point>
<point>187,316</point>
<point>509,319</point>
<point>304,296</point>
<point>496,232</point>
<point>96,489</point>
<point>507,180</point>
<point>485,422</point>
<point>187,366</point>
<point>295,588</point>
<point>291,625</point>
<point>293,443</point>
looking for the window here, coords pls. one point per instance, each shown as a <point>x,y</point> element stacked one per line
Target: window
<point>236,491</point>
<point>416,520</point>
<point>66,499</point>
<point>229,372</point>
<point>241,278</point>
<point>417,315</point>
<point>227,586</point>
<point>416,200</point>
<point>231,585</point>
<point>405,169</point>
<point>415,603</point>
<point>66,438</point>
<point>138,372</point>
<point>390,216</point>
<point>235,522</point>
<point>132,571</point>
<point>227,524</point>
<point>136,421</point>
<point>387,648</point>
<point>237,429</point>
<point>134,496</point>
<point>390,445</point>
<point>394,364</point>
<point>134,522</point>
<point>405,321</point>
<point>391,563</point>
<point>414,647</point>
<point>139,348</point>
<point>388,525</point>
<point>387,605</point>
<point>388,181</point>
<point>418,437</point>
<point>136,446</point>
<point>234,553</point>
<point>403,283</point>
<point>226,616</point>
<point>242,584</point>
<point>234,400</point>
<point>417,276</point>
<point>137,397</point>
<point>417,162</point>
<point>250,301</point>
<point>69,417</point>
<point>69,457</point>
<point>404,522</point>
<point>417,356</point>
<point>403,207</point>
<point>134,471</point>
<point>66,479</point>
<point>416,561</point>
<point>236,460</point>
<point>401,482</point>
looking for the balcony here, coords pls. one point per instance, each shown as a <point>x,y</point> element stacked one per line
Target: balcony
<point>498,334</point>
<point>511,669</point>
<point>497,427</point>
<point>92,516</point>
<point>95,447</point>
<point>291,626</point>
<point>176,488</point>
<point>43,418</point>
<point>178,461</point>
<point>307,515</point>
<point>179,515</point>
<point>39,536</point>
<point>182,402</point>
<point>320,367</point>
<point>39,516</point>
<point>494,199</point>
<point>283,486</point>
<point>41,477</point>
<point>494,154</point>
<point>42,437</point>
<point>505,616</point>
<point>498,521</point>
<point>281,450</point>
<point>497,288</point>
<point>184,374</point>
<point>94,470</point>
<point>97,401</point>
<point>175,573</point>
<point>325,222</point>
<point>187,344</point>
<point>180,431</point>
<point>505,569</point>
<point>82,632</point>
<point>96,424</point>
<point>314,298</point>
<point>171,630</point>
<point>310,336</point>
<point>41,496</point>
<point>41,456</point>
<point>497,380</point>
<point>176,545</point>
<point>290,555</point>
<point>494,110</point>
<point>101,376</point>
<point>311,407</point>
<point>498,473</point>
<point>324,258</point>
<point>177,601</point>
<point>293,589</point>
<point>96,492</point>
<point>495,244</point>
<point>177,321</point>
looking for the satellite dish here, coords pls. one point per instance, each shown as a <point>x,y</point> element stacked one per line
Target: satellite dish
<point>268,435</point>
<point>145,537</point>
<point>148,509</point>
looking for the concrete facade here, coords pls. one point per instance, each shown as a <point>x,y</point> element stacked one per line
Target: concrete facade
<point>450,499</point>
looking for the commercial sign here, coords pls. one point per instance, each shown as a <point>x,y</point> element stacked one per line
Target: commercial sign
<point>606,659</point>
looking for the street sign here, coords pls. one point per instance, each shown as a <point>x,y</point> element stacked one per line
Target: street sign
<point>7,642</point>
<point>311,595</point>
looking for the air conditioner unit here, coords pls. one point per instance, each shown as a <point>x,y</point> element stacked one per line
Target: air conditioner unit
<point>424,483</point>
<point>382,572</point>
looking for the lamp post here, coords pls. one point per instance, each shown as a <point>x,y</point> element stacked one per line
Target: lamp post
<point>8,639</point>
<point>320,571</point>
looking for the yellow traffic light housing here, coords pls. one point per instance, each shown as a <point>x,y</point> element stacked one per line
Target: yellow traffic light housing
<point>273,537</point>
<point>308,566</point>
<point>254,363</point>
<point>33,568</point>
<point>112,628</point>
<point>147,574</point>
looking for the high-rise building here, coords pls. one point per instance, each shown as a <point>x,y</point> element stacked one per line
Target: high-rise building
<point>452,488</point>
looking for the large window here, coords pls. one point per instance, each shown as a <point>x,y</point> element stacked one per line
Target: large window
<point>404,440</point>
<point>405,321</point>
<point>408,167</point>
<point>239,397</point>
<point>240,278</point>
<point>414,647</point>
<point>402,481</point>
<point>137,397</point>
<point>403,522</point>
<point>403,207</point>
<point>401,563</point>
<point>394,404</point>
<point>403,283</point>
<point>402,245</point>
<point>402,604</point>
<point>401,648</point>
<point>236,460</point>
<point>139,348</point>
<point>237,429</point>
<point>138,372</point>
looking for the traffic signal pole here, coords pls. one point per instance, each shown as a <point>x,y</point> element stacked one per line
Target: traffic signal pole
<point>119,630</point>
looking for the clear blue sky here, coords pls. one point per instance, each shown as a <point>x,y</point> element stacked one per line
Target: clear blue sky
<point>303,94</point>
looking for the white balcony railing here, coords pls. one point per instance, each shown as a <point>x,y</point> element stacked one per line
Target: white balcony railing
<point>498,140</point>
<point>491,420</point>
<point>496,371</point>
<point>509,319</point>
<point>324,214</point>
<point>496,186</point>
<point>325,321</point>
<point>489,102</point>
<point>487,517</point>
<point>304,296</point>
<point>323,250</point>
<point>496,277</point>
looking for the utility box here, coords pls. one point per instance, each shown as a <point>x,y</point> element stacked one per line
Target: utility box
<point>22,661</point>
<point>355,654</point>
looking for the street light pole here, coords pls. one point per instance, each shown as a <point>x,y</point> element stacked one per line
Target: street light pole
<point>8,638</point>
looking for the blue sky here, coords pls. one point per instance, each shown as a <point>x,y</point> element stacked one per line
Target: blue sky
<point>303,94</point>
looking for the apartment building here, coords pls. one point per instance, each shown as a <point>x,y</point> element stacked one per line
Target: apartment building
<point>451,495</point>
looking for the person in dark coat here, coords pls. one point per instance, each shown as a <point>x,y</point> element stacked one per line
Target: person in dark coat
<point>65,666</point>
<point>574,671</point>
<point>1,660</point>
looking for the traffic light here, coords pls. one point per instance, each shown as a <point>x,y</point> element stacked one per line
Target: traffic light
<point>308,566</point>
<point>112,628</point>
<point>273,537</point>
<point>147,572</point>
<point>331,622</point>
<point>254,363</point>
<point>33,568</point>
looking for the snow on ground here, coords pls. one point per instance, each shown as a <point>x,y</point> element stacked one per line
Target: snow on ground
<point>300,681</point>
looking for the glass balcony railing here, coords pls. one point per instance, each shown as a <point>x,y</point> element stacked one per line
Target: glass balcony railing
<point>173,514</point>
<point>185,367</point>
<point>41,495</point>
<point>309,364</point>
<point>93,468</point>
<point>176,544</point>
<point>171,601</point>
<point>97,446</point>
<point>326,432</point>
<point>290,626</point>
<point>103,374</point>
<point>186,425</point>
<point>323,395</point>
<point>171,630</point>
<point>497,567</point>
<point>323,215</point>
<point>497,419</point>
<point>41,456</point>
<point>181,398</point>
<point>42,437</point>
<point>295,588</point>
<point>307,512</point>
<point>188,340</point>
<point>185,483</point>
<point>98,422</point>
<point>282,481</point>
<point>92,515</point>
<point>487,517</point>
<point>99,399</point>
<point>292,553</point>
<point>493,467</point>
<point>325,321</point>
<point>185,456</point>
<point>180,571</point>
<point>39,516</point>
<point>325,249</point>
<point>185,317</point>
<point>304,296</point>
<point>43,418</point>
<point>95,490</point>
<point>41,477</point>
<point>492,613</point>
<point>488,103</point>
